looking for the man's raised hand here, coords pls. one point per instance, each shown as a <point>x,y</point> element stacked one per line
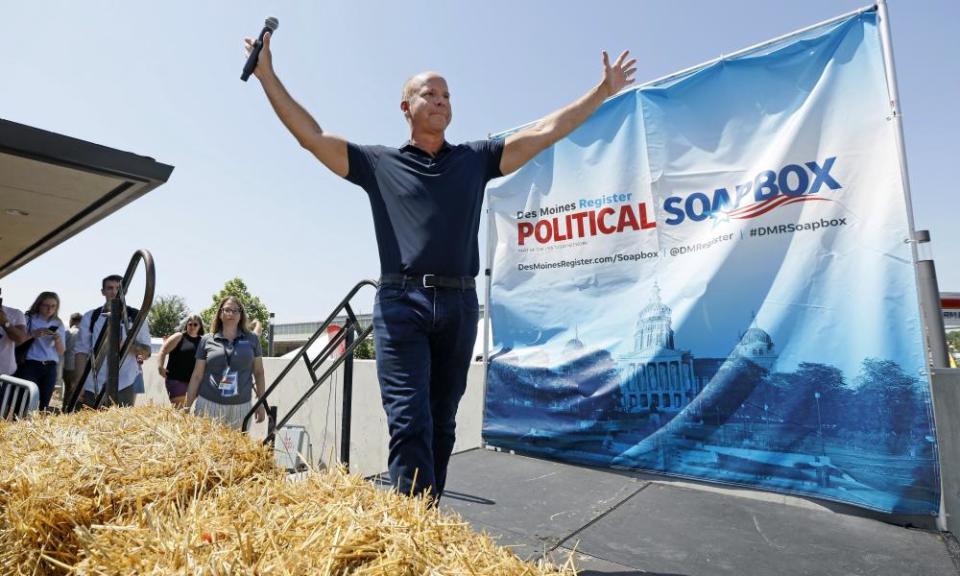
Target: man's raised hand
<point>616,77</point>
<point>265,60</point>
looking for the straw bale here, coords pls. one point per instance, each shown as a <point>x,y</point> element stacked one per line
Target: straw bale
<point>327,523</point>
<point>150,490</point>
<point>60,473</point>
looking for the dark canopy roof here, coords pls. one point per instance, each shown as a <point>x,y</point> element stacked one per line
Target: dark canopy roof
<point>53,186</point>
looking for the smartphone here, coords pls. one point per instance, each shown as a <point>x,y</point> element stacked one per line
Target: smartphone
<point>52,329</point>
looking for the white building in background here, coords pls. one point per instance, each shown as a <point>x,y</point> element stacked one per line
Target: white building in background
<point>950,305</point>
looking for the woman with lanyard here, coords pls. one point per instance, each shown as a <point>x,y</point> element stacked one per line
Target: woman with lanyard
<point>45,347</point>
<point>228,362</point>
<point>181,347</point>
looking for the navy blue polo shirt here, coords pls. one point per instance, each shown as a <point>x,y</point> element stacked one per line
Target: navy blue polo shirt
<point>426,209</point>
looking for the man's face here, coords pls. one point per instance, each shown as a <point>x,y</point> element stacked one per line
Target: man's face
<point>428,106</point>
<point>110,289</point>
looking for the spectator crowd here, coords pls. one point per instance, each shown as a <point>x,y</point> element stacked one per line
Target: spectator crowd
<point>212,371</point>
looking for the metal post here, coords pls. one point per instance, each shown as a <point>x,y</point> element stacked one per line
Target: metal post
<point>113,351</point>
<point>488,283</point>
<point>895,116</point>
<point>930,302</point>
<point>270,327</point>
<point>271,423</point>
<point>923,286</point>
<point>347,403</point>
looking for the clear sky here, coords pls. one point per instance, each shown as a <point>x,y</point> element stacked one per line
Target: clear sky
<point>162,79</point>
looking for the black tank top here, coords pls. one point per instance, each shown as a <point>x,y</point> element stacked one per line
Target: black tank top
<point>182,359</point>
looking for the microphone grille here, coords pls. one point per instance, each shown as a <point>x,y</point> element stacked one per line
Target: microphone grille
<point>271,23</point>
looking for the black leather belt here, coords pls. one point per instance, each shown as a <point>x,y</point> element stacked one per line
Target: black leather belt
<point>43,362</point>
<point>430,281</point>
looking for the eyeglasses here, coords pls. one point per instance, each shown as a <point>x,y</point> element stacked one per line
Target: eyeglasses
<point>230,310</point>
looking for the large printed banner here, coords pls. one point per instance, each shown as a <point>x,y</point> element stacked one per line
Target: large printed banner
<point>711,278</point>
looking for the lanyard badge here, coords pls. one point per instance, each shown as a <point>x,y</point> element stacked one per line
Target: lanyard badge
<point>227,384</point>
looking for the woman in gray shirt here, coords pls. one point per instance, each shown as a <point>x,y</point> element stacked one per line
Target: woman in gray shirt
<point>229,365</point>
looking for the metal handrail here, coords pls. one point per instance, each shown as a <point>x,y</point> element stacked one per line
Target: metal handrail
<point>124,349</point>
<point>18,398</point>
<point>352,334</point>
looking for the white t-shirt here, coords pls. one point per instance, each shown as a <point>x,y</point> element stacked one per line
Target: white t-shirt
<point>129,369</point>
<point>8,363</point>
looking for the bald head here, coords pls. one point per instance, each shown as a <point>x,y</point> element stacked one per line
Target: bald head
<point>426,103</point>
<point>413,83</point>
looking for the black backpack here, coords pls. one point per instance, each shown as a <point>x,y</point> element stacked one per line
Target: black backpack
<point>95,315</point>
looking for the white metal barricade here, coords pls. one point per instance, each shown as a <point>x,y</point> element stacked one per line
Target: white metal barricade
<point>18,397</point>
<point>292,448</point>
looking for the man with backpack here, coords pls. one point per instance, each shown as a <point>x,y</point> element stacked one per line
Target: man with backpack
<point>91,325</point>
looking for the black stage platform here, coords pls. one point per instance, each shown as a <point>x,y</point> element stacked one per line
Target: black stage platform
<point>631,524</point>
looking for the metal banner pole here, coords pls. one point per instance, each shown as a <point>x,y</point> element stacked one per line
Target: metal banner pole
<point>894,95</point>
<point>930,303</point>
<point>928,295</point>
<point>488,281</point>
<point>926,280</point>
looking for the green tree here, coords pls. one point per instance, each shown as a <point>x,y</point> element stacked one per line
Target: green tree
<point>953,339</point>
<point>364,350</point>
<point>255,308</point>
<point>166,314</point>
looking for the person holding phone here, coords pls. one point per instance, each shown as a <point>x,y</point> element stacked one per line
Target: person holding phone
<point>43,356</point>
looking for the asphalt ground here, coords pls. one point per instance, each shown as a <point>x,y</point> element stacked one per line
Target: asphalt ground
<point>616,523</point>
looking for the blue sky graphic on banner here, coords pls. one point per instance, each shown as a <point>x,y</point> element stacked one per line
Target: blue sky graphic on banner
<point>710,279</point>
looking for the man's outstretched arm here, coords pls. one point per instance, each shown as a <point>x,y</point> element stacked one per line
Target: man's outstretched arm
<point>329,149</point>
<point>522,146</point>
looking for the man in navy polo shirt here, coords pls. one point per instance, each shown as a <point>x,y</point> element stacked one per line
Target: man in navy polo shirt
<point>426,197</point>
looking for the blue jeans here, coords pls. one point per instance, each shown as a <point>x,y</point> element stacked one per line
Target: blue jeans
<point>423,338</point>
<point>43,375</point>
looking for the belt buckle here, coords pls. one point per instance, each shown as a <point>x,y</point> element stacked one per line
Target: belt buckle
<point>424,281</point>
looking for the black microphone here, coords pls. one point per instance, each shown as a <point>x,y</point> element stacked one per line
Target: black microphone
<point>269,25</point>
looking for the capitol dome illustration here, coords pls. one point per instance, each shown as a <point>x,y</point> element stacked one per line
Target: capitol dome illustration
<point>653,330</point>
<point>757,346</point>
<point>656,376</point>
